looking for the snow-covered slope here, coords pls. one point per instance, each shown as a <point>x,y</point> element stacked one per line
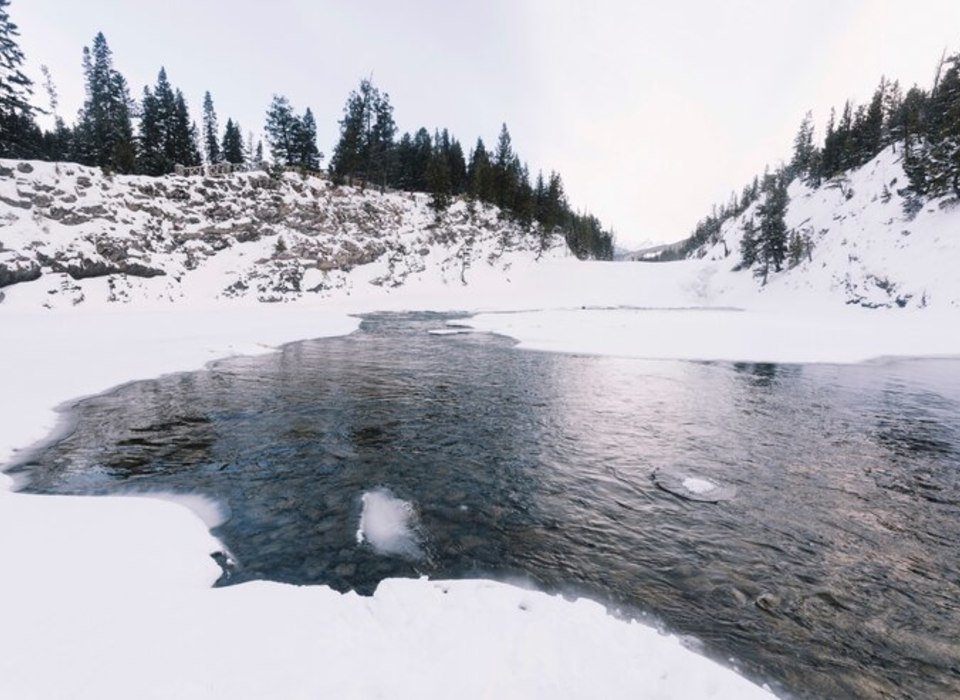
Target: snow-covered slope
<point>865,250</point>
<point>82,234</point>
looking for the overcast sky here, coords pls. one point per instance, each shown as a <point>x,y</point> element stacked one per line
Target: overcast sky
<point>651,111</point>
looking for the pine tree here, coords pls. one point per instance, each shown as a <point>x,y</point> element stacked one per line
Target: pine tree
<point>308,156</point>
<point>104,133</point>
<point>182,136</point>
<point>381,150</point>
<point>366,148</point>
<point>152,160</point>
<point>943,131</point>
<point>457,166</point>
<point>232,145</point>
<point>871,137</point>
<point>830,155</point>
<point>161,129</point>
<point>19,134</point>
<point>438,181</point>
<point>505,166</point>
<point>803,148</point>
<point>420,159</point>
<point>480,174</point>
<point>772,240</point>
<point>283,132</point>
<point>523,204</point>
<point>403,173</point>
<point>56,143</point>
<point>211,142</point>
<point>748,244</point>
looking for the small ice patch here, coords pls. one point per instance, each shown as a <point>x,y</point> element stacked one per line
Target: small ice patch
<point>691,487</point>
<point>449,331</point>
<point>695,485</point>
<point>388,523</point>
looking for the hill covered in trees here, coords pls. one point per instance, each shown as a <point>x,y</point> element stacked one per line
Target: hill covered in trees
<point>153,134</point>
<point>916,137</point>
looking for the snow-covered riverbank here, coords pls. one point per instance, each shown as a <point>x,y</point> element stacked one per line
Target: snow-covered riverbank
<point>111,597</point>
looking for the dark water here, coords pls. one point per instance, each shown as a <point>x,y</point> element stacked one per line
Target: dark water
<point>834,571</point>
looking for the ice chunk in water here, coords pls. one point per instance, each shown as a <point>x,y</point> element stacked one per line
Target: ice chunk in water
<point>692,487</point>
<point>389,523</point>
<point>696,485</point>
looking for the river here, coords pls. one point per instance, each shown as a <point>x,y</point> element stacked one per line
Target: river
<point>801,520</point>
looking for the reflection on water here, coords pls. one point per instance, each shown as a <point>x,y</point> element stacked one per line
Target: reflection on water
<point>832,570</point>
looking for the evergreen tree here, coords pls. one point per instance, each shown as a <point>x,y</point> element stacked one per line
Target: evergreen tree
<point>438,181</point>
<point>308,156</point>
<point>232,145</point>
<point>555,207</point>
<point>104,133</point>
<point>830,155</point>
<point>480,174</point>
<point>523,203</point>
<point>381,150</point>
<point>772,239</point>
<point>152,157</point>
<point>505,169</point>
<point>943,131</point>
<point>283,132</point>
<point>748,244</point>
<point>19,134</point>
<point>871,136</point>
<point>803,149</point>
<point>56,143</point>
<point>457,166</point>
<point>404,176</point>
<point>420,161</point>
<point>182,135</point>
<point>366,148</point>
<point>211,142</point>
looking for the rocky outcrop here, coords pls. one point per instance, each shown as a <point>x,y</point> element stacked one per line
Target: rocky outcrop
<point>284,237</point>
<point>16,268</point>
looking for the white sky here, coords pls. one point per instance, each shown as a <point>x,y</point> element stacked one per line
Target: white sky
<point>651,111</point>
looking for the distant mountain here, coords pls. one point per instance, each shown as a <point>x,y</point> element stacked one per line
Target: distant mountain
<point>648,250</point>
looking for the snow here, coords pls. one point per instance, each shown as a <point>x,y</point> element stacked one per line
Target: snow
<point>112,597</point>
<point>697,485</point>
<point>388,524</point>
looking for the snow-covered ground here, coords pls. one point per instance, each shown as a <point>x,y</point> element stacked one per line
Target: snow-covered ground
<point>111,597</point>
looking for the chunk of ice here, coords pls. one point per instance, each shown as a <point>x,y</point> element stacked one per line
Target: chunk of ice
<point>388,523</point>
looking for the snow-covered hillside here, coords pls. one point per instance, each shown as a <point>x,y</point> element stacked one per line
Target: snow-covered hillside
<point>85,235</point>
<point>864,249</point>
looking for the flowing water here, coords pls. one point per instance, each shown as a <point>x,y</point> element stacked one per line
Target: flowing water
<point>801,520</point>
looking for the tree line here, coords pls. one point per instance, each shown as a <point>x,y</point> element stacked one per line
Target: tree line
<point>112,130</point>
<point>923,124</point>
<point>369,152</point>
<point>151,135</point>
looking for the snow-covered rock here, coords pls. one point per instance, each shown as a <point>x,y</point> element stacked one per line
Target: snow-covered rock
<point>241,235</point>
